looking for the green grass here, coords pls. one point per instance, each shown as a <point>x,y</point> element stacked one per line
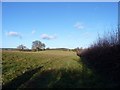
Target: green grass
<point>46,69</point>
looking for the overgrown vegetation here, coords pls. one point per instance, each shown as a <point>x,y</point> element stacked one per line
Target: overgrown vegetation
<point>104,57</point>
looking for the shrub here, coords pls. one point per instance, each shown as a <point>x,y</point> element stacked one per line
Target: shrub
<point>104,57</point>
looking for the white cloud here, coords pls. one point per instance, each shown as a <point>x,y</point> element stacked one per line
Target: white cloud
<point>48,37</point>
<point>14,34</point>
<point>33,32</point>
<point>79,26</point>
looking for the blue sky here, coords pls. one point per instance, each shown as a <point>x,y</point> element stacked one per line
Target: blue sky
<point>59,24</point>
<point>60,0</point>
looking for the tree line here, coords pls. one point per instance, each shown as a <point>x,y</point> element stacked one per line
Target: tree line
<point>36,46</point>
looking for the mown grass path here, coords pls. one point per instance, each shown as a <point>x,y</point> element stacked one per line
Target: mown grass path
<point>45,69</point>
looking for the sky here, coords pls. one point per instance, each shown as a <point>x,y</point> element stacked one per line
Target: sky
<point>60,0</point>
<point>57,24</point>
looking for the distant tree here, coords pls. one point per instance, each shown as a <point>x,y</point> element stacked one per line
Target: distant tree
<point>21,47</point>
<point>38,45</point>
<point>47,48</point>
<point>43,46</point>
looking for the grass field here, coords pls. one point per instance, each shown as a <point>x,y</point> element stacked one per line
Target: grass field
<point>47,69</point>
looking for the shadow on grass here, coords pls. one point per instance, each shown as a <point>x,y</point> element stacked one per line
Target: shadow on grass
<point>63,78</point>
<point>56,78</point>
<point>90,77</point>
<point>15,83</point>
